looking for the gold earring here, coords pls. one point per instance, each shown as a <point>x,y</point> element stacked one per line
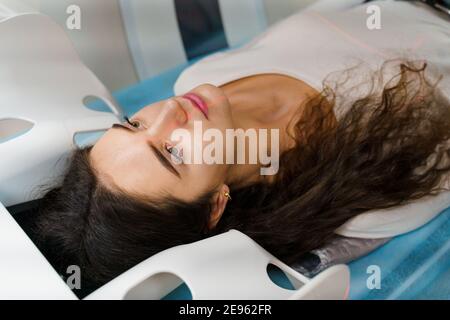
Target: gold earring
<point>227,194</point>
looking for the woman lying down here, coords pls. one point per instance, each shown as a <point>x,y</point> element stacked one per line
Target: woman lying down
<point>361,118</point>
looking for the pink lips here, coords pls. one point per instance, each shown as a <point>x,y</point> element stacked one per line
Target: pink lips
<point>198,102</point>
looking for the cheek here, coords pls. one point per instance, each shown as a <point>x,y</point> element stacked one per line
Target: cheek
<point>204,177</point>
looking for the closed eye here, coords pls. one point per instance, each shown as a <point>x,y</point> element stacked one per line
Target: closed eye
<point>133,123</point>
<point>174,153</point>
<point>164,161</point>
<point>161,158</point>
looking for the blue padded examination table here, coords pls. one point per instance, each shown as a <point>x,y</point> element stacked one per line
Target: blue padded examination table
<point>412,266</point>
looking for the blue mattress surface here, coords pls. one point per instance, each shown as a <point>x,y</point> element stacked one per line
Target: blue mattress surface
<point>412,266</point>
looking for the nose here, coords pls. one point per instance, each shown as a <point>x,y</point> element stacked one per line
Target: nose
<point>171,117</point>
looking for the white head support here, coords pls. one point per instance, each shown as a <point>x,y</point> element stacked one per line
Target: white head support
<point>43,85</point>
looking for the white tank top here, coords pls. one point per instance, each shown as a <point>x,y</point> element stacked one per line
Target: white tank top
<point>311,44</point>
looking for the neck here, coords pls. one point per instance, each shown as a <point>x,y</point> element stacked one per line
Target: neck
<point>265,102</point>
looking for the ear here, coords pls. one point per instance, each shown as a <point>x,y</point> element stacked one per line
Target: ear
<point>218,206</point>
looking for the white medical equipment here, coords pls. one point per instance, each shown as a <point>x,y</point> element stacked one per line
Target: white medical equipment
<point>43,86</point>
<point>229,266</point>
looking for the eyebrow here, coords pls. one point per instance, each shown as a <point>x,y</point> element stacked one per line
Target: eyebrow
<point>161,158</point>
<point>122,127</point>
<point>166,163</point>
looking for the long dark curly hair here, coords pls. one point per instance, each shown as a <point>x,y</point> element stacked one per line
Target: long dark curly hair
<point>388,147</point>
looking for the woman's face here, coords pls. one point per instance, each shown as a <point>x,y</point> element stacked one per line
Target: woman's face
<point>140,158</point>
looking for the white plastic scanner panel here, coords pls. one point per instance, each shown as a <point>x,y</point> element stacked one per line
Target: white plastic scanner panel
<point>24,272</point>
<point>44,83</point>
<point>227,266</point>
